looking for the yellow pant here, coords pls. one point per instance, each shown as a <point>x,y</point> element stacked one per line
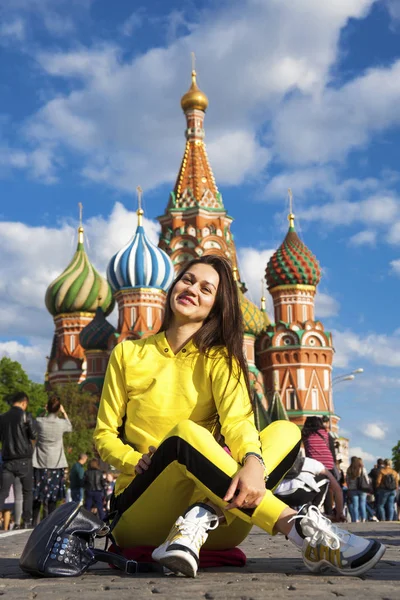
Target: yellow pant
<point>190,466</point>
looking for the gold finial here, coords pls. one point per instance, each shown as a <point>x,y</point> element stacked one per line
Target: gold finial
<point>140,211</point>
<point>235,274</point>
<point>290,215</point>
<point>263,298</point>
<point>194,98</point>
<point>80,228</point>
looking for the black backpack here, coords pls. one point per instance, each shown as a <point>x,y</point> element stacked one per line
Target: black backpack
<point>389,482</point>
<point>62,545</point>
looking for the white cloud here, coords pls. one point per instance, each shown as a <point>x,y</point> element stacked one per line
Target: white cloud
<point>393,236</point>
<point>363,238</point>
<point>57,17</point>
<point>32,257</point>
<point>32,357</point>
<point>325,306</point>
<point>395,264</point>
<point>378,210</point>
<point>358,451</point>
<point>378,349</point>
<point>292,48</point>
<point>393,7</point>
<point>252,264</point>
<point>132,23</point>
<point>374,431</point>
<point>325,127</point>
<point>14,30</point>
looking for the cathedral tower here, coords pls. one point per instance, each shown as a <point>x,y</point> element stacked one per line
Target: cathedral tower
<point>72,299</point>
<point>195,222</point>
<point>295,353</point>
<point>140,275</point>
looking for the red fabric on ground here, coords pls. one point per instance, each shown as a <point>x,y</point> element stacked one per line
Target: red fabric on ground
<point>233,557</point>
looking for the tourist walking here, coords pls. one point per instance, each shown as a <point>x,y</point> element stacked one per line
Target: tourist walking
<point>49,460</point>
<point>76,478</point>
<point>387,485</point>
<point>17,431</point>
<point>358,485</point>
<point>175,392</point>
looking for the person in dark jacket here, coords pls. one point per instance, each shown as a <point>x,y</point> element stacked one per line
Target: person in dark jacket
<point>77,478</point>
<point>95,485</point>
<point>17,430</point>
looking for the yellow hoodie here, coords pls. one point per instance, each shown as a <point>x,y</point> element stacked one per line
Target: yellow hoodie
<point>156,389</point>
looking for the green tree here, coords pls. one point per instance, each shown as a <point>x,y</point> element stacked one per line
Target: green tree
<point>81,408</point>
<point>396,457</point>
<point>14,379</point>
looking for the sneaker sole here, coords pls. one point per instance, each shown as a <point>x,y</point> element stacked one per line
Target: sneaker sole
<point>323,565</point>
<point>178,561</point>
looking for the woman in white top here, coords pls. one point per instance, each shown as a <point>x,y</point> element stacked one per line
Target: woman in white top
<point>49,460</point>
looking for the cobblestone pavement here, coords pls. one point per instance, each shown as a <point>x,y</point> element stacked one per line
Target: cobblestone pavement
<point>274,571</point>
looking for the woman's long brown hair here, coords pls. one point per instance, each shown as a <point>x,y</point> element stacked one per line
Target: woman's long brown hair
<point>224,324</point>
<point>356,467</point>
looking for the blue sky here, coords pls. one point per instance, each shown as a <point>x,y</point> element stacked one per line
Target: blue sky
<point>303,95</point>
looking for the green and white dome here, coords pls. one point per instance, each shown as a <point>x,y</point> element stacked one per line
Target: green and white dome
<point>79,288</point>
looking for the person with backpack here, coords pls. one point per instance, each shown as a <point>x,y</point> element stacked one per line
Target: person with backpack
<point>387,485</point>
<point>17,431</point>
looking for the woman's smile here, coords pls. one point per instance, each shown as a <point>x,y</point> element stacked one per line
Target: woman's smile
<point>194,294</point>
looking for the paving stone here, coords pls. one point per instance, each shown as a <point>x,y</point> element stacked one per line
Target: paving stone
<point>274,571</point>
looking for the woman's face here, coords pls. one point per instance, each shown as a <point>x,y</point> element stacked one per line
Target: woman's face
<point>194,294</point>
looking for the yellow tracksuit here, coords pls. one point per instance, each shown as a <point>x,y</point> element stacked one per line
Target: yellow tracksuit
<point>170,401</point>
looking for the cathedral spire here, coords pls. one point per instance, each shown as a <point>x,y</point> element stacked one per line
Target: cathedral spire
<point>195,185</point>
<point>195,222</point>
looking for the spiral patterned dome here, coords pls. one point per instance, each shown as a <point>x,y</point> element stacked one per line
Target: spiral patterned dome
<point>96,334</point>
<point>293,263</point>
<point>79,287</point>
<point>140,264</point>
<point>255,320</point>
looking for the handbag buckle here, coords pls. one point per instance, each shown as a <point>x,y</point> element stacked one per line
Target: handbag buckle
<point>131,567</point>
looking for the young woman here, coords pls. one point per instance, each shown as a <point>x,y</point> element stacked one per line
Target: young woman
<point>171,392</point>
<point>358,483</point>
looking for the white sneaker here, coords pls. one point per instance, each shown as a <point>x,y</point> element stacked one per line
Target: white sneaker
<point>326,545</point>
<point>180,551</point>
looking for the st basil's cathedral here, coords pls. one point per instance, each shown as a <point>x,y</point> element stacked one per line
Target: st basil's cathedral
<point>289,356</point>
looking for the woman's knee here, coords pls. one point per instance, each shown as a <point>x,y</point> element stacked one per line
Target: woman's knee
<point>285,432</point>
<point>188,430</point>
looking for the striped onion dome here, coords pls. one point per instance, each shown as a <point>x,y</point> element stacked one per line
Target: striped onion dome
<point>140,264</point>
<point>79,286</point>
<point>96,334</point>
<point>293,263</point>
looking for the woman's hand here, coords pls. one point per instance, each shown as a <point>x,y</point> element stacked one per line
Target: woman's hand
<point>248,485</point>
<point>145,461</point>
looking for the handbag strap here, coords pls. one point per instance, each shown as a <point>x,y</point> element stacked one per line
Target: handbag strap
<point>131,567</point>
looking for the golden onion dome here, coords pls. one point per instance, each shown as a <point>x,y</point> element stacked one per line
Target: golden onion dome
<point>194,97</point>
